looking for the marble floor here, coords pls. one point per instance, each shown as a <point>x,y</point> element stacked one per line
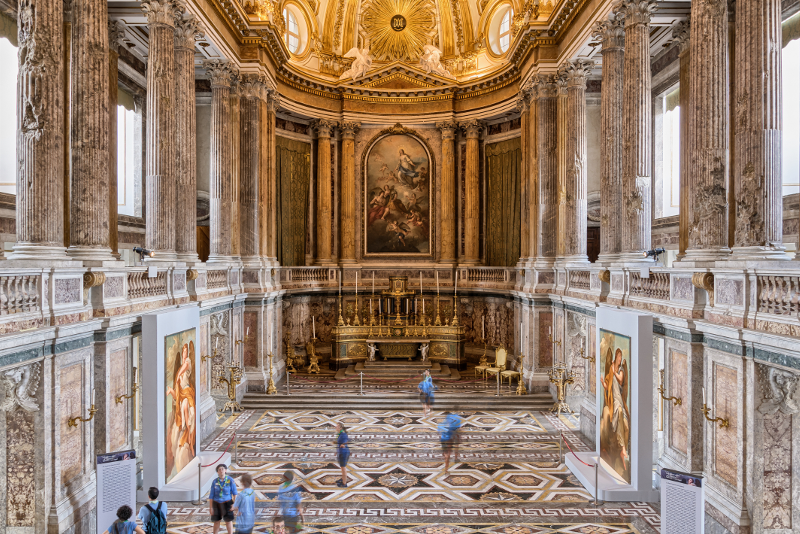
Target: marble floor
<point>509,478</point>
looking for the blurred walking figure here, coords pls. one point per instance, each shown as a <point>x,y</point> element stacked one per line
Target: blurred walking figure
<point>291,504</point>
<point>449,431</point>
<point>342,453</point>
<point>426,390</point>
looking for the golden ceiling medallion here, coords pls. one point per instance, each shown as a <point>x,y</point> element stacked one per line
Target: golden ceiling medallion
<point>398,29</point>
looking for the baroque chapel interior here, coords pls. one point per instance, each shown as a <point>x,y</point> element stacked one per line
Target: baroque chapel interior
<point>227,226</point>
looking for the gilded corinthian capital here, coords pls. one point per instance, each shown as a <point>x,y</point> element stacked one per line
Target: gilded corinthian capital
<point>472,128</point>
<point>635,11</point>
<point>324,127</point>
<point>251,86</point>
<point>187,30</point>
<point>161,11</point>
<point>448,129</point>
<point>610,32</point>
<point>349,129</point>
<point>222,73</point>
<point>576,71</point>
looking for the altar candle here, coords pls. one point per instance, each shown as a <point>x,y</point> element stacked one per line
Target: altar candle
<point>437,282</point>
<point>423,306</point>
<point>704,396</point>
<point>247,334</point>
<point>313,327</point>
<point>370,306</point>
<point>420,282</point>
<point>380,306</point>
<point>483,327</point>
<point>92,397</point>
<point>356,283</point>
<point>373,282</point>
<point>340,286</point>
<point>134,375</point>
<point>456,289</point>
<point>216,344</point>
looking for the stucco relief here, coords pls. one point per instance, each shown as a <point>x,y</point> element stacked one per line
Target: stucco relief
<point>20,469</point>
<point>730,292</point>
<point>682,289</point>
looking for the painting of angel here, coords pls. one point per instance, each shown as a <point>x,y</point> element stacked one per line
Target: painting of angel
<point>397,204</point>
<point>180,401</point>
<point>615,421</point>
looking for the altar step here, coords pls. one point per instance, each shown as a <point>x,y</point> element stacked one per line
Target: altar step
<point>394,370</point>
<point>385,401</point>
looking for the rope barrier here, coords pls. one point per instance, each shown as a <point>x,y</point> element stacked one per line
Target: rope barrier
<point>573,452</point>
<point>223,452</point>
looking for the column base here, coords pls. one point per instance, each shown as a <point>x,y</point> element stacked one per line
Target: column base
<point>95,255</point>
<point>252,261</point>
<point>706,255</point>
<point>189,258</point>
<point>606,260</point>
<point>575,260</point>
<point>771,253</point>
<point>469,263</point>
<point>544,263</point>
<point>217,260</point>
<point>347,261</point>
<point>33,252</point>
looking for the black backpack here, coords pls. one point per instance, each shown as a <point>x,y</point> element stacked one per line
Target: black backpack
<point>156,523</point>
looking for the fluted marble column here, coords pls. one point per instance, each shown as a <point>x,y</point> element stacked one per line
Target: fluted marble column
<point>532,157</point>
<point>324,129</point>
<point>707,161</point>
<point>40,135</point>
<point>271,200</point>
<point>611,34</point>
<point>347,237</point>
<point>116,34</point>
<point>547,143</point>
<point>758,179</point>
<point>161,127</point>
<point>561,157</point>
<point>681,35</point>
<point>472,194</point>
<point>221,186</point>
<point>89,228</point>
<point>251,89</point>
<point>447,195</point>
<point>235,140</point>
<point>187,29</point>
<point>523,106</point>
<point>637,130</point>
<point>575,203</point>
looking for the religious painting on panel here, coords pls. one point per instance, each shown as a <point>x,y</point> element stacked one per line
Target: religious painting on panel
<point>397,207</point>
<point>615,421</point>
<point>180,401</point>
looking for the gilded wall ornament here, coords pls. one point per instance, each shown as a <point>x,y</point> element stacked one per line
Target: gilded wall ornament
<point>398,29</point>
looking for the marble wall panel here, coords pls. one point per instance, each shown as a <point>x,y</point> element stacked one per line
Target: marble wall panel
<point>67,290</point>
<point>682,289</point>
<point>251,341</point>
<point>726,398</point>
<point>114,287</point>
<point>203,385</point>
<point>71,443</point>
<point>20,468</point>
<point>777,453</point>
<point>678,387</point>
<point>729,292</point>
<point>544,357</point>
<point>546,278</point>
<point>117,413</point>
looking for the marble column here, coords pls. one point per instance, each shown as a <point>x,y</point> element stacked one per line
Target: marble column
<point>251,89</point>
<point>758,179</point>
<point>235,118</point>
<point>324,129</point>
<point>637,130</point>
<point>447,195</point>
<point>523,107</point>
<point>547,144</point>
<point>40,129</point>
<point>221,186</point>
<point>611,34</point>
<point>707,158</point>
<point>273,102</point>
<point>575,201</point>
<point>472,193</point>
<point>116,34</point>
<point>347,237</point>
<point>187,29</point>
<point>561,158</point>
<point>532,157</point>
<point>89,229</point>
<point>681,34</point>
<point>161,127</point>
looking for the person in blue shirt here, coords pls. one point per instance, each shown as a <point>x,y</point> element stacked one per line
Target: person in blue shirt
<point>245,506</point>
<point>291,504</point>
<point>123,524</point>
<point>220,500</point>
<point>426,390</point>
<point>342,453</point>
<point>155,504</point>
<point>449,437</point>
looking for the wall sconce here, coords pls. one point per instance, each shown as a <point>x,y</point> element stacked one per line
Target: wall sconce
<point>590,358</point>
<point>246,338</point>
<point>73,421</point>
<point>677,400</point>
<point>134,389</point>
<point>723,423</point>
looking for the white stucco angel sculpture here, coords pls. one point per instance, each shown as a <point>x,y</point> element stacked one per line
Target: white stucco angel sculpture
<point>372,350</point>
<point>361,64</point>
<point>424,350</point>
<point>430,61</point>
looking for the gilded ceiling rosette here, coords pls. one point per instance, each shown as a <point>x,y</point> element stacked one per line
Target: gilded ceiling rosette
<point>398,29</point>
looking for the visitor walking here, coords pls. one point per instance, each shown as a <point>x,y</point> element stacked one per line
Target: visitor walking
<point>449,431</point>
<point>245,506</point>
<point>291,504</point>
<point>342,453</point>
<point>123,525</point>
<point>220,500</point>
<point>426,390</point>
<point>153,515</point>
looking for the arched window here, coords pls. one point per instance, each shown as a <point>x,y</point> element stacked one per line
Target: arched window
<point>292,31</point>
<point>505,30</point>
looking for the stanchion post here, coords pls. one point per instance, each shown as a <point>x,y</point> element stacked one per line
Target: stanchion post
<point>596,482</point>
<point>199,500</point>
<point>561,449</point>
<point>498,384</point>
<point>287,383</point>
<point>361,383</point>
<point>235,449</point>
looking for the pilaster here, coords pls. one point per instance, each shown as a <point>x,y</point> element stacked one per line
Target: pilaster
<point>447,197</point>
<point>324,130</point>
<point>547,172</point>
<point>472,210</point>
<point>348,192</point>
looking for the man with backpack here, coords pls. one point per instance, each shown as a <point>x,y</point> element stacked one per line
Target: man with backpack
<point>154,514</point>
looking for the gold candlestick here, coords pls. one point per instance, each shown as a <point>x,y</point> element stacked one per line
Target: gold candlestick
<point>271,389</point>
<point>559,376</point>
<point>234,380</point>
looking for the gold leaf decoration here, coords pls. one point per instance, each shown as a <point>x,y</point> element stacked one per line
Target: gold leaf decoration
<point>386,43</point>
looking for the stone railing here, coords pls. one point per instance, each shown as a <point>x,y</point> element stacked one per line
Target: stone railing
<point>307,274</point>
<point>216,279</point>
<point>779,294</point>
<point>19,293</point>
<point>141,285</point>
<point>580,280</point>
<point>654,287</point>
<point>488,275</point>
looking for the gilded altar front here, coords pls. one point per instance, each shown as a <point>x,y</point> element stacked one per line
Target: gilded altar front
<point>398,328</point>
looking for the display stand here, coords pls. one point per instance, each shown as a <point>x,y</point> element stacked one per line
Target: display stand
<point>116,485</point>
<point>183,486</point>
<point>682,503</point>
<point>612,486</point>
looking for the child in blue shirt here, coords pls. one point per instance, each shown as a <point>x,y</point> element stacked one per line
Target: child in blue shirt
<point>220,500</point>
<point>122,525</point>
<point>245,506</point>
<point>155,504</point>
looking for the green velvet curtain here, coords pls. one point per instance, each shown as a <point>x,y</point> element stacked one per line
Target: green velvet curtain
<point>503,174</point>
<point>293,167</point>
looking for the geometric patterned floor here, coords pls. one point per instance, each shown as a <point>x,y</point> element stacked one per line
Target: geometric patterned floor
<point>509,478</point>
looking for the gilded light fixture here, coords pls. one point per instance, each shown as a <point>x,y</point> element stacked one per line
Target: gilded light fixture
<point>398,29</point>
